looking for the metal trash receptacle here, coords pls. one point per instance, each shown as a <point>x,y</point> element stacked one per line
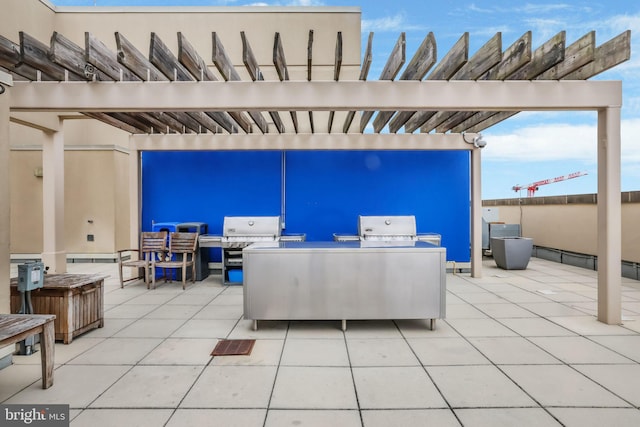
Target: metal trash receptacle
<point>202,254</point>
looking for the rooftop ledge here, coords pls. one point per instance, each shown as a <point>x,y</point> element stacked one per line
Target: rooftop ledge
<point>584,199</point>
<point>201,9</point>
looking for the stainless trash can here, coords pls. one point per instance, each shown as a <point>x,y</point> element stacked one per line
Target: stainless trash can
<point>202,254</point>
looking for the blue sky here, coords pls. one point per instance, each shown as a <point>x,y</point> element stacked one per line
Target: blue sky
<point>529,146</point>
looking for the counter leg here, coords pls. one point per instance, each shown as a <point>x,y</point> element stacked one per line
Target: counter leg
<point>432,324</point>
<point>344,325</point>
<point>47,349</point>
<point>255,325</point>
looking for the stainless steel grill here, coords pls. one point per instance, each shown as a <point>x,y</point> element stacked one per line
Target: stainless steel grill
<point>387,228</point>
<point>397,228</point>
<point>239,232</point>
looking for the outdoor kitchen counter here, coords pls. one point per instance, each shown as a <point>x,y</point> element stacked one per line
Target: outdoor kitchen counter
<point>344,281</point>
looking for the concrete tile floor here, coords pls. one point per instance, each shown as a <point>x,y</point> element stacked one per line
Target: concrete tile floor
<point>517,348</point>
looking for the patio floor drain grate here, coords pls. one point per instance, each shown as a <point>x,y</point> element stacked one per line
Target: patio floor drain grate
<point>233,348</point>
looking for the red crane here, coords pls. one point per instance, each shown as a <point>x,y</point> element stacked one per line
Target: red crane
<point>533,187</point>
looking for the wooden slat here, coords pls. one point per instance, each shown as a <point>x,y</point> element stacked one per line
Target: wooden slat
<point>513,58</point>
<point>391,69</point>
<point>132,120</point>
<point>605,56</point>
<point>112,121</point>
<point>488,56</point>
<point>224,120</point>
<point>189,122</point>
<point>249,59</point>
<point>364,71</point>
<point>166,62</point>
<point>544,58</point>
<point>100,56</point>
<point>224,65</point>
<point>309,68</point>
<point>337,65</point>
<point>309,55</point>
<point>158,125</point>
<point>336,73</point>
<point>168,121</point>
<point>71,56</point>
<point>135,61</point>
<point>10,60</point>
<point>205,121</point>
<point>194,63</point>
<point>36,54</point>
<point>9,53</point>
<point>280,63</point>
<point>457,56</point>
<point>279,60</point>
<point>576,55</point>
<point>422,61</point>
<point>251,63</point>
<point>222,61</point>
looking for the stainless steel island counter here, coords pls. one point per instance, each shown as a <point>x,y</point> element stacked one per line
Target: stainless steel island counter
<point>344,281</point>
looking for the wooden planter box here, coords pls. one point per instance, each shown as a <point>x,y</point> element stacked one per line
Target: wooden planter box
<point>77,300</point>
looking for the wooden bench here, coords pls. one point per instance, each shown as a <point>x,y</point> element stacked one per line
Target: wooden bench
<point>16,327</point>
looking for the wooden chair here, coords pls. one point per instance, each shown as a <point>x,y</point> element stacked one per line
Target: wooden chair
<point>184,246</point>
<point>153,246</point>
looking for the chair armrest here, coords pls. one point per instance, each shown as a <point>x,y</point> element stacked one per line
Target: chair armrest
<point>128,250</point>
<point>121,251</point>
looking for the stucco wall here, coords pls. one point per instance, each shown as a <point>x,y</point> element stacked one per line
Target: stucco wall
<point>96,188</point>
<point>96,155</point>
<point>31,16</point>
<point>259,24</point>
<point>568,224</point>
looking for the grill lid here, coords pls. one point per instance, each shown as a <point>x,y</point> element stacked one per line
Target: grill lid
<point>250,227</point>
<point>400,227</point>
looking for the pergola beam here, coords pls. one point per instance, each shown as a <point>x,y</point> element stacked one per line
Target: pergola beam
<point>316,96</point>
<point>307,141</point>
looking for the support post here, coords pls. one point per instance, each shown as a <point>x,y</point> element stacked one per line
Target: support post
<point>134,195</point>
<point>54,253</point>
<point>5,255</point>
<point>476,214</point>
<point>609,217</point>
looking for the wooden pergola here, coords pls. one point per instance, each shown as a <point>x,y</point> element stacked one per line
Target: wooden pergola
<point>175,101</point>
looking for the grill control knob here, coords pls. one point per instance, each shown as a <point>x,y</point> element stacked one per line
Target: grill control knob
<point>387,221</point>
<point>251,223</point>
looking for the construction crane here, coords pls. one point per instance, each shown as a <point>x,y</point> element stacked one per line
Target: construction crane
<point>533,187</point>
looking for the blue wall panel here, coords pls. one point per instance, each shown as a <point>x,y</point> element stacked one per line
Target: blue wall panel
<point>325,190</point>
<point>206,186</point>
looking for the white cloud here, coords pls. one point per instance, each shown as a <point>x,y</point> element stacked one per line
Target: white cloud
<point>388,23</point>
<point>396,23</point>
<point>289,3</point>
<point>558,142</point>
<point>543,143</point>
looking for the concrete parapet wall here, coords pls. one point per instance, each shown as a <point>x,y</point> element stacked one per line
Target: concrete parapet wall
<point>569,223</point>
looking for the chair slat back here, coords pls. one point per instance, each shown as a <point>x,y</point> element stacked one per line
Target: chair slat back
<point>183,242</point>
<point>153,241</point>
